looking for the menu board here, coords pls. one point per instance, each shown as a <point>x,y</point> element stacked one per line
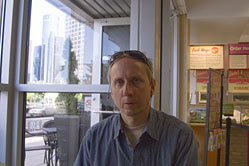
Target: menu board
<point>239,49</point>
<point>205,57</point>
<point>238,81</point>
<point>238,56</point>
<point>238,61</point>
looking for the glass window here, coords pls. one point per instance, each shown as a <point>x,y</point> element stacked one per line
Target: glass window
<point>58,122</point>
<point>53,51</point>
<point>62,50</point>
<point>114,38</point>
<point>3,124</point>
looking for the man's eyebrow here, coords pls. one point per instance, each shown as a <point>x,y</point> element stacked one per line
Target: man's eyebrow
<point>116,78</point>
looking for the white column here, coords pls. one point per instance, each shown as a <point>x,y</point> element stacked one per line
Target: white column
<point>166,84</point>
<point>143,28</point>
<point>175,68</point>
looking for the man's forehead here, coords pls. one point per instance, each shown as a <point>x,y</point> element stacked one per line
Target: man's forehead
<point>127,64</point>
<point>130,68</point>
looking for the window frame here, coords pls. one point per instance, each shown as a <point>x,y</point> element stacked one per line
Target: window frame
<point>5,83</point>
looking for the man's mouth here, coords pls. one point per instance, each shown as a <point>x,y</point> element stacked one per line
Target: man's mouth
<point>129,104</point>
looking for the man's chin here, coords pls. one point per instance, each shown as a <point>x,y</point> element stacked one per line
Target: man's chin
<point>128,112</point>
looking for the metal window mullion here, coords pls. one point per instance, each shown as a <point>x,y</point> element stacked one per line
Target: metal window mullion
<point>175,68</point>
<point>63,88</point>
<point>4,87</point>
<point>9,153</point>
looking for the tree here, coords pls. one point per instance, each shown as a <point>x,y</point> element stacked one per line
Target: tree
<point>68,70</point>
<point>35,97</point>
<point>88,76</point>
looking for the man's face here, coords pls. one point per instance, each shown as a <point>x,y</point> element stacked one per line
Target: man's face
<point>131,89</point>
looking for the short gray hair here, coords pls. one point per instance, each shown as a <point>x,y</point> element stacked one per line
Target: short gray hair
<point>134,54</point>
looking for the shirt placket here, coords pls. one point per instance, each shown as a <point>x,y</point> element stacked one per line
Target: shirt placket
<point>138,159</point>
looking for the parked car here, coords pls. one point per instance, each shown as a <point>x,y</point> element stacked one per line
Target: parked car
<point>37,111</point>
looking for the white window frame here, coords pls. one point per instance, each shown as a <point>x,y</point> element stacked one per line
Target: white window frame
<point>97,57</point>
<point>5,85</point>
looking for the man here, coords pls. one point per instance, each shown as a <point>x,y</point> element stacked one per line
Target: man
<point>139,135</point>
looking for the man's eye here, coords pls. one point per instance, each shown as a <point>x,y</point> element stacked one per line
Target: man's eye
<point>136,80</point>
<point>119,82</point>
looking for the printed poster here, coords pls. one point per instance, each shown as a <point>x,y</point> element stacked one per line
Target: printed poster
<point>238,61</point>
<point>201,80</point>
<point>239,49</point>
<point>205,57</point>
<point>238,81</point>
<point>238,56</point>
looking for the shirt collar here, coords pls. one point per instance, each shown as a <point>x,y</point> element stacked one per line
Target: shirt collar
<point>151,126</point>
<point>117,127</point>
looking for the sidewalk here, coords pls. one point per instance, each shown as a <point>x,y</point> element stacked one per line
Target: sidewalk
<point>34,158</point>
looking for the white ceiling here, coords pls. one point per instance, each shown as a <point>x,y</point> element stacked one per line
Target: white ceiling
<point>211,21</point>
<point>217,8</point>
<point>218,21</point>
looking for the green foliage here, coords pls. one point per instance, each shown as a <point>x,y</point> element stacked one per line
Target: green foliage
<point>79,96</point>
<point>88,77</point>
<point>35,97</point>
<point>69,100</point>
<point>72,78</point>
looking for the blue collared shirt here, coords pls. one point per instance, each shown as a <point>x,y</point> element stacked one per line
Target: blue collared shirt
<point>165,141</point>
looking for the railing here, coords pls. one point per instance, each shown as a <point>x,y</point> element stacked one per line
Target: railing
<point>33,124</point>
<point>228,128</point>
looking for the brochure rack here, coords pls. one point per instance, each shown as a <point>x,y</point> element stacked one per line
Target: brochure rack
<point>213,127</point>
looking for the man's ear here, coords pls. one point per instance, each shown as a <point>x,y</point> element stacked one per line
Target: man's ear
<point>153,86</point>
<point>110,90</point>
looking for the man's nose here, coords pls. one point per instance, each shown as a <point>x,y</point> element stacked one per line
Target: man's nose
<point>127,89</point>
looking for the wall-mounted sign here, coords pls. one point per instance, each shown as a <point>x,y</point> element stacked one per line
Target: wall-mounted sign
<point>238,56</point>
<point>88,104</point>
<point>238,81</point>
<point>239,49</point>
<point>238,61</point>
<point>205,57</point>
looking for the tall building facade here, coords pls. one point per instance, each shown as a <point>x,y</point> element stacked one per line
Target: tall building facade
<point>47,57</point>
<point>49,32</point>
<point>38,66</point>
<point>75,31</point>
<point>50,59</point>
<point>59,61</point>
